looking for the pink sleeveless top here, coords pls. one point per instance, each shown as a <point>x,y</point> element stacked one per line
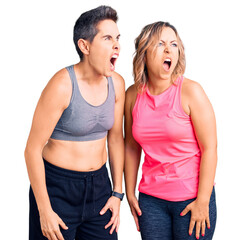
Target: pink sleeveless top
<point>172,156</point>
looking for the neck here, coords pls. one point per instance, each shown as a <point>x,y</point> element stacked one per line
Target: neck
<point>158,85</point>
<point>87,73</point>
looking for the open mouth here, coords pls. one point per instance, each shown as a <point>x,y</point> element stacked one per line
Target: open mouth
<point>113,61</point>
<point>167,64</point>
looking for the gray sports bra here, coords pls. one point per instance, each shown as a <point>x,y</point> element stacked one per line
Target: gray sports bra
<point>82,121</point>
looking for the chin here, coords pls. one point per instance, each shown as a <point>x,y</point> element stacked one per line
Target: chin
<point>166,75</point>
<point>108,73</point>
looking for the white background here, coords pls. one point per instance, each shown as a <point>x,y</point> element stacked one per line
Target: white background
<point>36,41</point>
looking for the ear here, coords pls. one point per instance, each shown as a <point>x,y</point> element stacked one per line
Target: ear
<point>84,46</point>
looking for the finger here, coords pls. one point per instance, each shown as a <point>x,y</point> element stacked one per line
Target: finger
<point>104,209</point>
<point>114,225</point>
<point>137,223</point>
<point>137,208</point>
<point>191,226</point>
<point>136,220</point>
<point>44,233</point>
<point>203,227</point>
<point>59,235</point>
<point>110,222</point>
<point>52,235</point>
<point>118,224</point>
<point>48,236</point>
<point>185,211</point>
<point>208,223</point>
<point>198,229</point>
<point>62,224</point>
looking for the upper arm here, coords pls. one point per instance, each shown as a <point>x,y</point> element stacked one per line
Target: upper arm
<point>130,98</point>
<point>53,100</point>
<point>202,116</point>
<point>119,86</point>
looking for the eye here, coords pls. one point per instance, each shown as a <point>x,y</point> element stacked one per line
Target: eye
<point>174,44</point>
<point>160,44</point>
<point>107,38</point>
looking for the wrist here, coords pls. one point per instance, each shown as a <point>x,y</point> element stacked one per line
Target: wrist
<point>43,210</point>
<point>117,189</point>
<point>130,194</point>
<point>43,207</point>
<point>203,199</point>
<point>118,195</point>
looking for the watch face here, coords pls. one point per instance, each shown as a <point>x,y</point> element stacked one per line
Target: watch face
<point>118,195</point>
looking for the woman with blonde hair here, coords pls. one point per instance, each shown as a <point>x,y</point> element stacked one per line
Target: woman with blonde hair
<point>170,118</point>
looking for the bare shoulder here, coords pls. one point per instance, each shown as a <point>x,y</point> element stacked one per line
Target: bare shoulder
<point>118,80</point>
<point>60,81</point>
<point>130,96</point>
<point>59,87</point>
<point>131,92</point>
<point>191,88</point>
<point>191,85</point>
<point>119,85</point>
<point>194,95</point>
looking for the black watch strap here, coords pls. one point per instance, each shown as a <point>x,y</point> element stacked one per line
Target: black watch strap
<point>118,195</point>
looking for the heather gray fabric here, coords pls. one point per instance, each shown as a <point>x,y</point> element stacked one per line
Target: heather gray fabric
<point>82,121</point>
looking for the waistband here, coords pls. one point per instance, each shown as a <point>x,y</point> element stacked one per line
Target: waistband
<point>52,169</point>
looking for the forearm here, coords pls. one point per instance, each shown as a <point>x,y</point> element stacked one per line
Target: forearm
<point>116,161</point>
<point>207,174</point>
<point>132,161</point>
<point>36,172</point>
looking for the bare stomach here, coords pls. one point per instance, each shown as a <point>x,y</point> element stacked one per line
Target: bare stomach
<point>77,156</point>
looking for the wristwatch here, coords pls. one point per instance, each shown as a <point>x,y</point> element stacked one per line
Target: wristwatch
<point>118,195</point>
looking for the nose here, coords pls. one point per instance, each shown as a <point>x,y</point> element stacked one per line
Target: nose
<point>167,49</point>
<point>116,45</point>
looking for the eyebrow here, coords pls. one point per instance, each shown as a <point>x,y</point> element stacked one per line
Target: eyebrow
<point>107,35</point>
<point>170,41</point>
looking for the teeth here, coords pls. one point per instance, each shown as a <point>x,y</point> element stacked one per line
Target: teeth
<point>167,60</point>
<point>115,56</point>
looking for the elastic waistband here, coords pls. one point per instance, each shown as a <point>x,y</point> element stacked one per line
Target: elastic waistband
<point>62,172</point>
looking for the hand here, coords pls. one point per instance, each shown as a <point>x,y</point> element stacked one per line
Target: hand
<point>135,210</point>
<point>199,216</point>
<point>50,222</point>
<point>113,204</point>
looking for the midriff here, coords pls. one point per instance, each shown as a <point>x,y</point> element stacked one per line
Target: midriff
<point>76,155</point>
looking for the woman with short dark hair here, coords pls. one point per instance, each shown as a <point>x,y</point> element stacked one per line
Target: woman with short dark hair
<point>79,110</point>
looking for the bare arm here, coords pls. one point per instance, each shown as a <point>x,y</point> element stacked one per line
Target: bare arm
<point>116,152</point>
<point>115,136</point>
<point>203,119</point>
<point>132,155</point>
<point>53,101</point>
<point>204,123</point>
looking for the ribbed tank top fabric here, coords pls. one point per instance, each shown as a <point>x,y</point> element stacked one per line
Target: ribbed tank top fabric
<point>82,121</point>
<point>172,156</point>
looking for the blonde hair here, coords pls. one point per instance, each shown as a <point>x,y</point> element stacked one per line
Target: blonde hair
<point>146,38</point>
